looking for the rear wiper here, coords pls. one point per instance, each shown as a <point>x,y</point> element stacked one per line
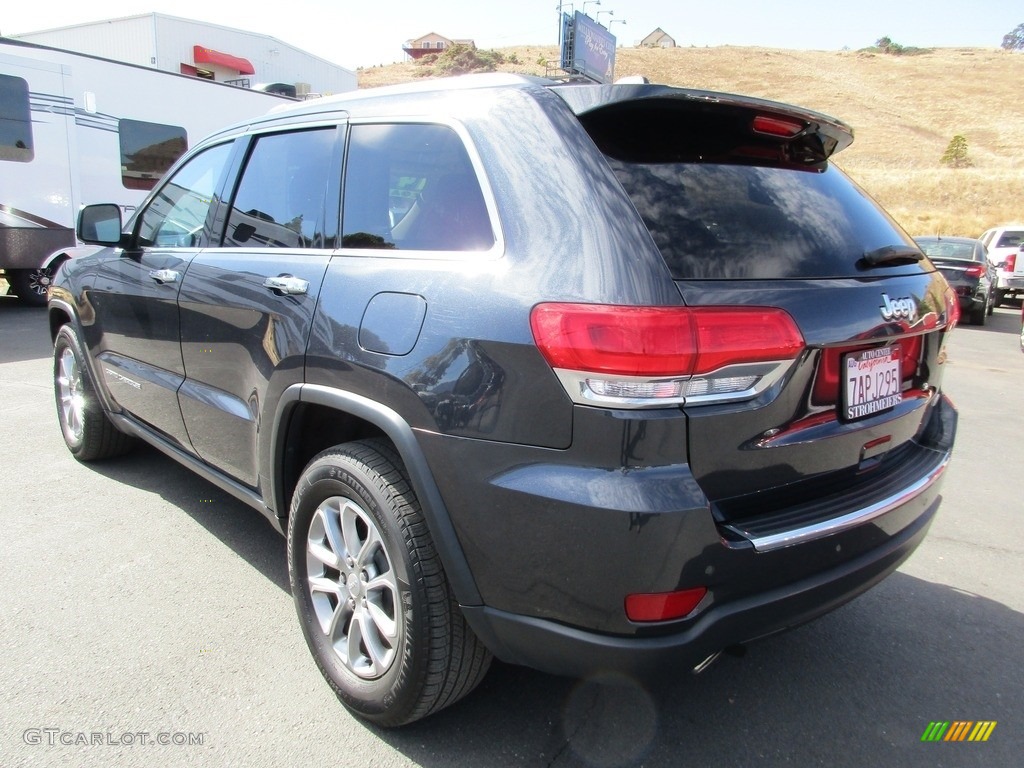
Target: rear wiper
<point>891,255</point>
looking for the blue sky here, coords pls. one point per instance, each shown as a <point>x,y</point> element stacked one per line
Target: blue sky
<point>368,32</point>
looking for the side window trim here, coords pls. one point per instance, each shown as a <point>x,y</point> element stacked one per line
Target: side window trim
<point>496,251</point>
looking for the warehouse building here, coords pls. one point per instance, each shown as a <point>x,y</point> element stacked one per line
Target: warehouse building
<point>204,50</point>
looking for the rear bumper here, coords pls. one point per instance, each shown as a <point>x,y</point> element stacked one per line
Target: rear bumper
<point>554,572</point>
<point>559,649</point>
<point>1010,283</point>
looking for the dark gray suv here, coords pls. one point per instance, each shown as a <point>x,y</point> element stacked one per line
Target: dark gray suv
<point>583,377</point>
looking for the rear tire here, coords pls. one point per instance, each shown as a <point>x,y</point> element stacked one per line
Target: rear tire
<point>372,597</point>
<point>87,431</point>
<point>978,315</point>
<point>30,285</point>
<point>1000,296</point>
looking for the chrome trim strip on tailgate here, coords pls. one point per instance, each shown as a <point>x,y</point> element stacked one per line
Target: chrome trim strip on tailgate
<point>825,528</point>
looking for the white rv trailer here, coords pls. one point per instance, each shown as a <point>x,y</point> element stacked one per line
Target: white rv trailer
<point>76,129</point>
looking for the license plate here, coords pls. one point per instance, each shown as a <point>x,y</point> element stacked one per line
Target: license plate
<point>873,382</point>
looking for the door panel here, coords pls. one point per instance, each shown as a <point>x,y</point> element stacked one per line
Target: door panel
<point>247,307</point>
<point>242,343</point>
<point>139,349</point>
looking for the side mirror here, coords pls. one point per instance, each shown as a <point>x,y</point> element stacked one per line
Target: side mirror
<point>100,224</point>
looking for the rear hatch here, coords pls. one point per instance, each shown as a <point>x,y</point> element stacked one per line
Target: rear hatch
<point>740,198</point>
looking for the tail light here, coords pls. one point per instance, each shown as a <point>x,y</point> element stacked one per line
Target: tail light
<point>1011,263</point>
<point>975,270</point>
<point>642,357</point>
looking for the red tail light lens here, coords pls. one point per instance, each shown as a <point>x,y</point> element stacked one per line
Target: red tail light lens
<point>1011,262</point>
<point>631,341</point>
<point>975,270</point>
<point>642,357</point>
<point>777,126</point>
<point>661,341</point>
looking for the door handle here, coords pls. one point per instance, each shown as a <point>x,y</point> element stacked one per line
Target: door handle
<point>287,285</point>
<point>165,275</point>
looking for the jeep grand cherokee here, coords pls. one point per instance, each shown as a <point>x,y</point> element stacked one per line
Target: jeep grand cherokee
<point>580,376</point>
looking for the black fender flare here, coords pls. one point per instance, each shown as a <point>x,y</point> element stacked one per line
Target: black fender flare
<point>402,437</point>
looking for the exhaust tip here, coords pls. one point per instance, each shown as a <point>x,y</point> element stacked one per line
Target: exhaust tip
<point>707,662</point>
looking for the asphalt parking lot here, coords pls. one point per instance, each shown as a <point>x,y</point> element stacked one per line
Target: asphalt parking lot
<point>146,620</point>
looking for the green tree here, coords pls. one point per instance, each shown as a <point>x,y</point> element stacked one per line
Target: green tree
<point>886,45</point>
<point>461,60</point>
<point>955,155</point>
<point>1014,40</point>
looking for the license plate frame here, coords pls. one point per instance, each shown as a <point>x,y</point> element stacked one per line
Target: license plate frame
<point>872,382</point>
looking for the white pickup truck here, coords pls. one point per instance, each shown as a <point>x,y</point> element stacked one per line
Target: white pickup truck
<point>1004,251</point>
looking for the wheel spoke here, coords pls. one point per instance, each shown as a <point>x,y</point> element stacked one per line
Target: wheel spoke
<point>353,646</point>
<point>378,653</point>
<point>326,586</point>
<point>369,548</point>
<point>334,538</point>
<point>319,543</point>
<point>386,625</point>
<point>351,517</point>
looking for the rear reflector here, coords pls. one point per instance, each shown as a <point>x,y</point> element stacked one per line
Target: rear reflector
<point>637,357</point>
<point>663,606</point>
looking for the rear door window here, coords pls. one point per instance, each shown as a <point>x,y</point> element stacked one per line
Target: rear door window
<point>412,186</point>
<point>280,202</point>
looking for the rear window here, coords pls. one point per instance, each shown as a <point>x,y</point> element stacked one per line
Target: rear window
<point>725,221</point>
<point>1010,240</point>
<point>949,250</point>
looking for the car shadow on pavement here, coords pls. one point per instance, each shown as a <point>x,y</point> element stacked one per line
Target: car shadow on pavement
<point>858,687</point>
<point>237,525</point>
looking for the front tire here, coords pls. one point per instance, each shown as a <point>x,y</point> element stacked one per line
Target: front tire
<point>375,606</point>
<point>87,431</point>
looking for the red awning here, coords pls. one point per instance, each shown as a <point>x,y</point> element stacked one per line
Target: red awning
<point>203,55</point>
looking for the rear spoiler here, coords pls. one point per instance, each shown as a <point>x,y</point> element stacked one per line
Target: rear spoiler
<point>659,124</point>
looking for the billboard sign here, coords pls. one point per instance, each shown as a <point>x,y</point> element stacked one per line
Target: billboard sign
<point>588,49</point>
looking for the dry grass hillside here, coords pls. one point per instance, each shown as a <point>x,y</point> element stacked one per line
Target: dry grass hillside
<point>904,110</point>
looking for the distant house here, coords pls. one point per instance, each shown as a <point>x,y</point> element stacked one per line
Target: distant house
<point>659,38</point>
<point>432,43</point>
